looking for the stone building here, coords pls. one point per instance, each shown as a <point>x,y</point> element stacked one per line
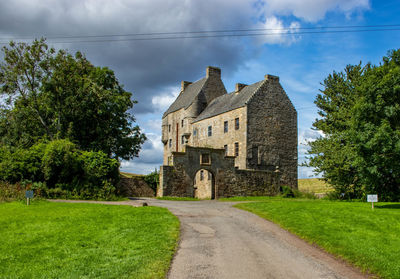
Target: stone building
<point>218,144</point>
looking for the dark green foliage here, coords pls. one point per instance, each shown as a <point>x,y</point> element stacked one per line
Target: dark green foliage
<point>360,117</point>
<point>152,179</point>
<point>60,96</point>
<point>58,169</point>
<point>286,192</point>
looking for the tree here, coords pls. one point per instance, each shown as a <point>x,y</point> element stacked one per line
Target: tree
<point>360,113</point>
<point>54,96</point>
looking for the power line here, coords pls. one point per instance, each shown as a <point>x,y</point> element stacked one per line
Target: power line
<point>208,31</point>
<point>167,35</point>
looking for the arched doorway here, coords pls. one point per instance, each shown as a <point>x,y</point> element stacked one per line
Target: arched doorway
<point>204,184</point>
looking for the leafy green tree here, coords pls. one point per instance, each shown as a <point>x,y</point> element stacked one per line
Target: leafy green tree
<point>54,96</point>
<point>359,116</point>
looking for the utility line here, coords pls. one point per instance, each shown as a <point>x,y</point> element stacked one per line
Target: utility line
<point>209,31</point>
<point>288,31</point>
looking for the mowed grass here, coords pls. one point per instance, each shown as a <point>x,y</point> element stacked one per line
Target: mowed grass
<point>65,240</point>
<point>368,238</point>
<point>314,185</point>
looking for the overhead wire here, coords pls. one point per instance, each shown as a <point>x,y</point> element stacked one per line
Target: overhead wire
<point>212,34</point>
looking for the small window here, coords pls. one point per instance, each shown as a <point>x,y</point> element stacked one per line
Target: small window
<point>169,160</point>
<point>225,126</point>
<point>169,128</point>
<point>201,175</point>
<point>194,132</point>
<point>182,123</point>
<point>226,149</point>
<point>209,131</point>
<point>236,149</point>
<point>236,123</point>
<point>183,140</point>
<point>205,159</point>
<point>170,143</point>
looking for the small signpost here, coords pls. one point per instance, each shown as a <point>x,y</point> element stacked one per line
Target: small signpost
<point>28,195</point>
<point>372,199</point>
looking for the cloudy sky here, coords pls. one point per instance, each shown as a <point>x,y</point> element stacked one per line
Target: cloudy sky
<point>292,41</point>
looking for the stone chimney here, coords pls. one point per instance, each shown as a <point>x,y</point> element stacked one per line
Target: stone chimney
<point>213,72</point>
<point>239,86</point>
<point>271,78</point>
<point>185,84</point>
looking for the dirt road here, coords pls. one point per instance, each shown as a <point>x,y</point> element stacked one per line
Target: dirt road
<point>219,241</point>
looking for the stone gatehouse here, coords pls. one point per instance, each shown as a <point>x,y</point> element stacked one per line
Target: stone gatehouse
<point>218,144</point>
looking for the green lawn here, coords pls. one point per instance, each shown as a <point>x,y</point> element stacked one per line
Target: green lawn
<point>66,240</point>
<point>352,230</point>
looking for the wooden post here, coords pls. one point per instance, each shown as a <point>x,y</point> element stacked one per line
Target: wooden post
<point>28,201</point>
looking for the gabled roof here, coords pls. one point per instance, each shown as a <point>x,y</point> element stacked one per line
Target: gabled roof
<point>228,102</point>
<point>186,98</point>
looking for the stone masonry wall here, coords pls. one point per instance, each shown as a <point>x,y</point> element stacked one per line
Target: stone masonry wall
<point>135,187</point>
<point>178,180</point>
<point>219,138</point>
<point>272,132</point>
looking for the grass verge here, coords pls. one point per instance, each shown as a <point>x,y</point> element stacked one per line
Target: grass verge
<point>66,240</point>
<point>368,238</point>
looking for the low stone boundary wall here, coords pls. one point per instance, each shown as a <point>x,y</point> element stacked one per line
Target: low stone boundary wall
<point>135,187</point>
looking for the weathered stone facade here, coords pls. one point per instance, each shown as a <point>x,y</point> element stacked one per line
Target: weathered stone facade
<point>134,187</point>
<point>250,134</point>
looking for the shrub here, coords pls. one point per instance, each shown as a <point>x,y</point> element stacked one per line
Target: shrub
<point>152,179</point>
<point>286,192</point>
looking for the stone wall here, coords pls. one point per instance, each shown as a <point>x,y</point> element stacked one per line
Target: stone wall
<point>134,187</point>
<point>178,180</point>
<point>272,132</point>
<point>219,138</point>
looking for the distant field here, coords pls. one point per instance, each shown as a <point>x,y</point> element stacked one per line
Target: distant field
<point>314,185</point>
<point>130,175</point>
<point>71,240</point>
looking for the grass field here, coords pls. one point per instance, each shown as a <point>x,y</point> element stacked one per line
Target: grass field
<point>367,238</point>
<point>314,185</point>
<point>65,240</point>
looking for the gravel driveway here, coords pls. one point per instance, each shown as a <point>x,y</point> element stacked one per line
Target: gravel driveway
<point>220,241</point>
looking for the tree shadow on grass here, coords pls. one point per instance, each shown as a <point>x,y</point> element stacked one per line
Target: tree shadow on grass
<point>391,206</point>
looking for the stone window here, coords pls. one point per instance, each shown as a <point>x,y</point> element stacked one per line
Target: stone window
<point>169,160</point>
<point>226,149</point>
<point>225,126</point>
<point>236,149</point>
<point>201,175</point>
<point>259,156</point>
<point>182,123</point>
<point>236,123</point>
<point>170,143</point>
<point>209,131</point>
<point>205,159</point>
<point>183,140</point>
<point>194,132</point>
<point>169,128</point>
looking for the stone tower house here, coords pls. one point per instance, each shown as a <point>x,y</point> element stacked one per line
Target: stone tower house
<point>218,144</point>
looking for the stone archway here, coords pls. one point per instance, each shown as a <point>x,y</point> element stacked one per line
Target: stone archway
<point>204,184</point>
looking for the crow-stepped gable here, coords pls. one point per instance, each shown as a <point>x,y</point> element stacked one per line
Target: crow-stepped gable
<point>218,144</point>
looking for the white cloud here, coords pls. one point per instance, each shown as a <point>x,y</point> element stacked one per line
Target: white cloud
<point>277,33</point>
<point>164,100</point>
<point>312,10</point>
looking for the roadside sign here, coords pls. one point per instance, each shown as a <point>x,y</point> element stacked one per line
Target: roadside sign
<point>372,199</point>
<point>28,195</point>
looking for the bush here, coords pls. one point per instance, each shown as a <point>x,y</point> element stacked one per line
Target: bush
<point>286,192</point>
<point>60,170</point>
<point>152,179</point>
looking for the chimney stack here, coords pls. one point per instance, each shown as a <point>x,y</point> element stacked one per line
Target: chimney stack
<point>185,84</point>
<point>213,72</point>
<point>239,86</point>
<point>271,78</point>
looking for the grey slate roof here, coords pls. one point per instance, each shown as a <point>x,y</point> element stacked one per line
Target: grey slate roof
<point>228,102</point>
<point>186,98</point>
